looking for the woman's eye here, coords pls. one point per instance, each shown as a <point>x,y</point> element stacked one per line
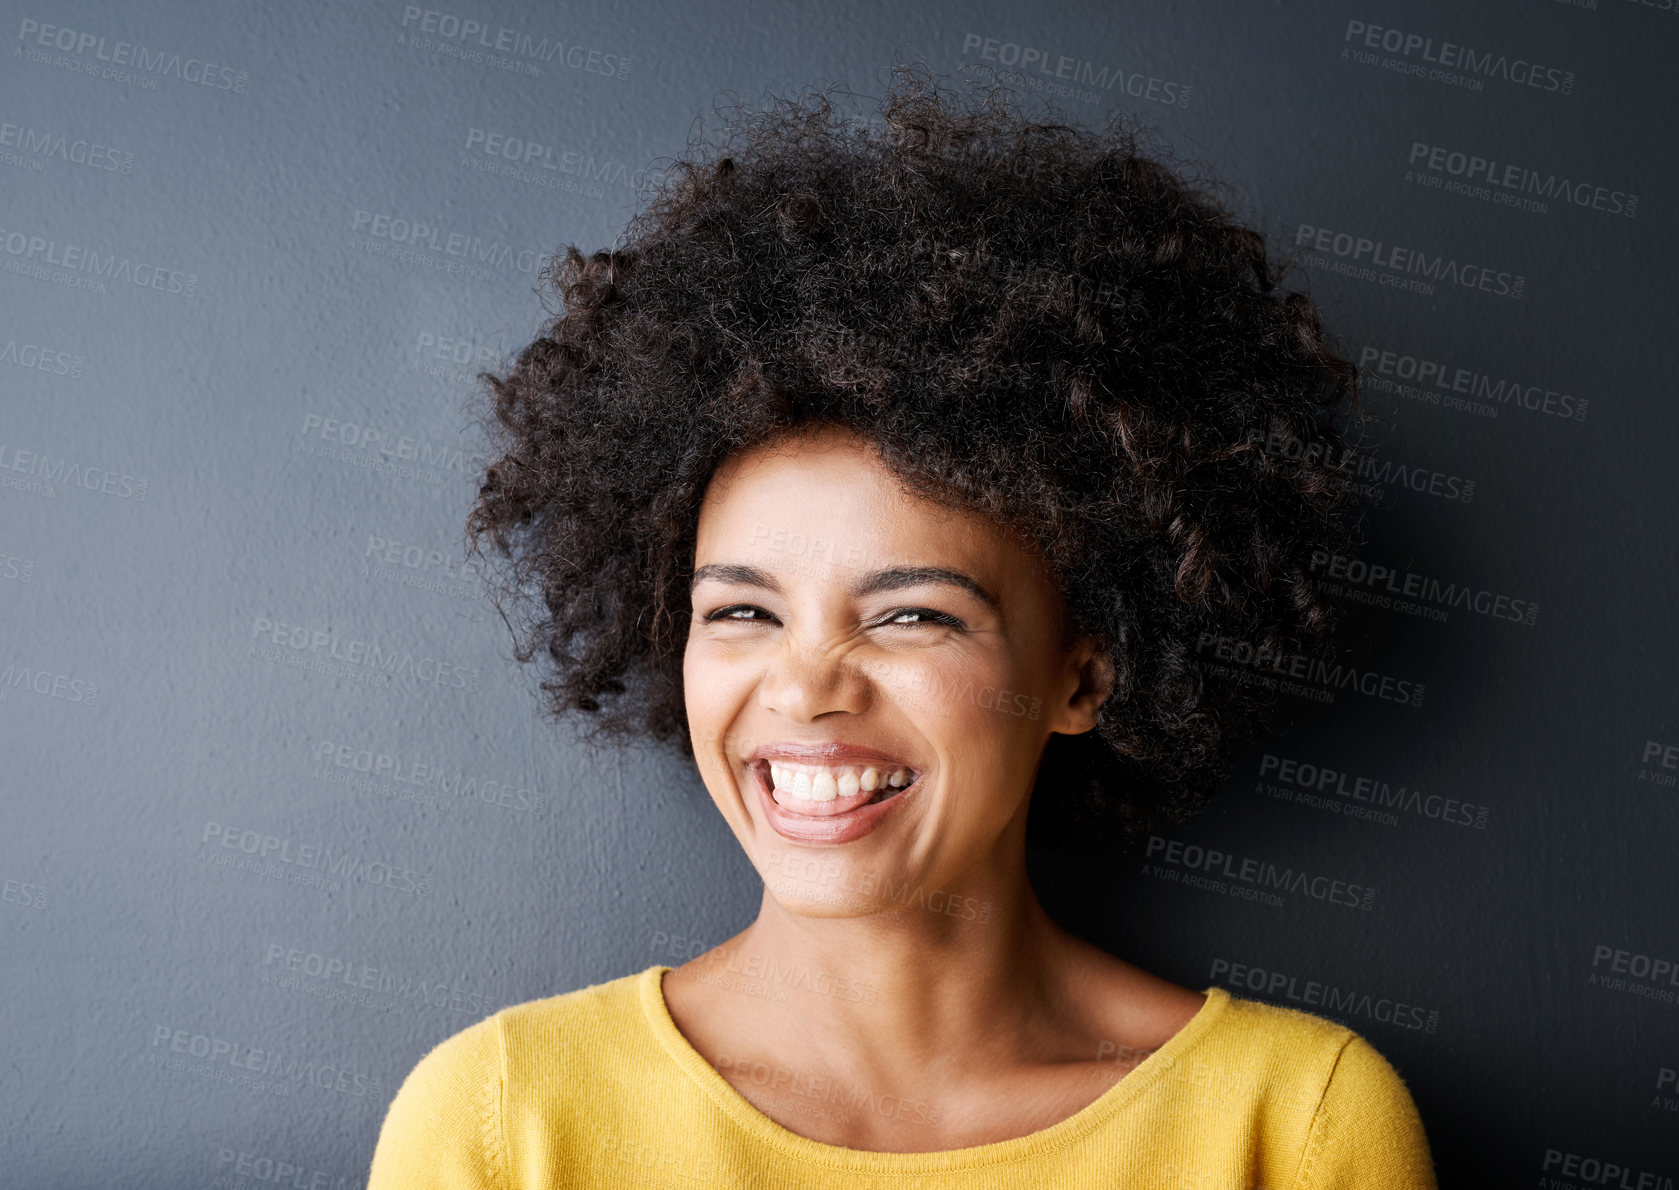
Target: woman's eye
<point>740,613</point>
<point>923,615</point>
<point>746,613</point>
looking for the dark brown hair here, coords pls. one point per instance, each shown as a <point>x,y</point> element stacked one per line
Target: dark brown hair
<point>1042,323</point>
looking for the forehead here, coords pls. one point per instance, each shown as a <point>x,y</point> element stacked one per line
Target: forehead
<point>826,498</point>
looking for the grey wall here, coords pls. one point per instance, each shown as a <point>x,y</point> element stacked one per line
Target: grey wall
<point>250,256</point>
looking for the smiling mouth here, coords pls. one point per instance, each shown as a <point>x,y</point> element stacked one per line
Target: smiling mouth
<point>826,791</point>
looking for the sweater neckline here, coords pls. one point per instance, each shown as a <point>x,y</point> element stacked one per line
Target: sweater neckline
<point>1081,1123</point>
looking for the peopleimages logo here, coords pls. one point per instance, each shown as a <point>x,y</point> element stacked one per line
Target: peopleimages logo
<point>1447,61</point>
<point>1321,669</point>
<point>329,1075</point>
<point>370,655</point>
<point>78,44</point>
<point>1666,758</point>
<point>1388,586</point>
<point>39,145</point>
<point>309,863</point>
<point>42,359</point>
<point>423,237</point>
<point>536,156</point>
<point>1209,862</point>
<point>35,253</point>
<point>1365,474</point>
<point>1630,971</point>
<point>1509,184</point>
<point>415,557</point>
<point>448,28</point>
<point>1317,996</point>
<point>1577,1170</point>
<point>1398,266</point>
<point>47,684</point>
<point>450,780</point>
<point>1032,64</point>
<point>283,965</point>
<point>1448,384</point>
<point>1318,779</point>
<point>286,1174</point>
<point>62,470</point>
<point>383,442</point>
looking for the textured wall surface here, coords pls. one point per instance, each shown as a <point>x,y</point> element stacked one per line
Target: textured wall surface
<point>280,811</point>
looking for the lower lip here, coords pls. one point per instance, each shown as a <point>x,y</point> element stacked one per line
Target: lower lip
<point>832,828</point>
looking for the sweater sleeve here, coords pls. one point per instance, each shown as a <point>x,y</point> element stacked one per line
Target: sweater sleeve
<point>442,1130</point>
<point>1366,1132</point>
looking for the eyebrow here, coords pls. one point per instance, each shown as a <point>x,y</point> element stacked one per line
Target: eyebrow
<point>892,578</point>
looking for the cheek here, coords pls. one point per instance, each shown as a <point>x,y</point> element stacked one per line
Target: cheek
<point>712,692</point>
<point>963,693</point>
<point>983,718</point>
<point>696,697</point>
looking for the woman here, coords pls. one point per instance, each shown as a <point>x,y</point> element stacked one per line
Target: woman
<point>894,471</point>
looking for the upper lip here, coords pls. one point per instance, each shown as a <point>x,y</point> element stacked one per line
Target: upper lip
<point>823,753</point>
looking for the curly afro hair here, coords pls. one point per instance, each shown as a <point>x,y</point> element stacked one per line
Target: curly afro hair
<point>1038,322</point>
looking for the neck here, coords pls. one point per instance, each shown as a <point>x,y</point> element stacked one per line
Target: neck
<point>887,997</point>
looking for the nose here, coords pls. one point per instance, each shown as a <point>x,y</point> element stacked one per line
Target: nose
<point>808,679</point>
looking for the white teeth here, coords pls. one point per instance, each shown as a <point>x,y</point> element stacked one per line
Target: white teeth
<point>824,783</point>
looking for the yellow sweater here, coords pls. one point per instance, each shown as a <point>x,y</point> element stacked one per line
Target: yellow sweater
<point>598,1088</point>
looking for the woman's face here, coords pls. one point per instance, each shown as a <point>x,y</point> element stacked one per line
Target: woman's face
<point>870,679</point>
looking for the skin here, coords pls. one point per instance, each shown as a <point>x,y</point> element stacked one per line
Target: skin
<point>924,970</point>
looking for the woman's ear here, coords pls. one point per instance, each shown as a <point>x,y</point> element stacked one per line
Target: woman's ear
<point>1094,669</point>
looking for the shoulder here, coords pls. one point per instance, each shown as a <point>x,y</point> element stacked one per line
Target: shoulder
<point>442,1128</point>
<point>598,1005</point>
<point>1296,1055</point>
<point>1274,1034</point>
<point>1235,1054</point>
<point>446,1124</point>
<point>581,1036</point>
<point>1360,1124</point>
<point>1367,1125</point>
